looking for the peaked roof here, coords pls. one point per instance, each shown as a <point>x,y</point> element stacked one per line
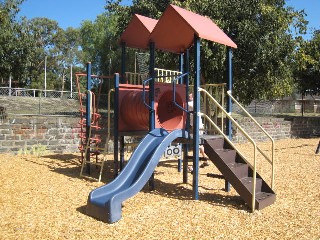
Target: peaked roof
<point>173,32</point>
<point>176,28</point>
<point>137,33</point>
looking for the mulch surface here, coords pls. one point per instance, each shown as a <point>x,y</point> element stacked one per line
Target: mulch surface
<point>44,198</point>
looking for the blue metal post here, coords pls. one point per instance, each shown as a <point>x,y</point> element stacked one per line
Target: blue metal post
<point>151,87</point>
<point>123,62</point>
<point>181,66</point>
<point>196,109</point>
<point>185,146</point>
<point>116,124</point>
<point>88,116</point>
<point>151,99</point>
<point>229,105</point>
<point>122,80</point>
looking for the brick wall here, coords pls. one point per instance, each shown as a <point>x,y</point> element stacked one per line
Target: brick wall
<point>58,134</point>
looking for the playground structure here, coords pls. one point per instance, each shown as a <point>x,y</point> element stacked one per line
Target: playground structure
<point>160,113</point>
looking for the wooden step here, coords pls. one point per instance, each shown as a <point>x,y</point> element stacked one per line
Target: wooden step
<point>264,199</point>
<point>236,171</point>
<point>226,155</point>
<point>240,169</point>
<point>248,183</point>
<point>215,143</point>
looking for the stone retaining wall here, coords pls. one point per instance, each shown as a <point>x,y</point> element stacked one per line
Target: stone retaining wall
<point>57,134</point>
<point>278,128</point>
<point>61,134</point>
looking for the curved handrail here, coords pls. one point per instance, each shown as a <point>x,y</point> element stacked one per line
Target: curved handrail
<point>227,138</point>
<point>144,93</point>
<point>210,87</point>
<point>241,155</point>
<point>271,161</point>
<point>174,91</point>
<point>109,121</point>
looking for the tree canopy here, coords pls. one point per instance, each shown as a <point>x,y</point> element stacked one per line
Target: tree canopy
<point>270,61</point>
<point>307,67</point>
<point>264,59</point>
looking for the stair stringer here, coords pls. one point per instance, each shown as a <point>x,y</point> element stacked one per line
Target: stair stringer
<point>240,175</point>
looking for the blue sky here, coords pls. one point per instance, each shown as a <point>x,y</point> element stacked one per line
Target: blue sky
<point>70,13</point>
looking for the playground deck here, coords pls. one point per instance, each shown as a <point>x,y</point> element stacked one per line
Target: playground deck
<point>44,198</point>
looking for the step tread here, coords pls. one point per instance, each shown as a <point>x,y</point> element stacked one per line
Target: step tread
<point>260,196</point>
<point>236,164</point>
<point>249,180</point>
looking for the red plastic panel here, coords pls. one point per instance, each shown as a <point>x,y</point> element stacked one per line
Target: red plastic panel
<point>134,115</point>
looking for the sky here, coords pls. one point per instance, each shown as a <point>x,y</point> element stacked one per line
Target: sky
<point>70,13</point>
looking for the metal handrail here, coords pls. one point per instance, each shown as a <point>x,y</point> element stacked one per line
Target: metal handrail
<point>207,86</point>
<point>174,91</point>
<point>254,167</point>
<point>144,93</point>
<point>109,120</point>
<point>271,161</point>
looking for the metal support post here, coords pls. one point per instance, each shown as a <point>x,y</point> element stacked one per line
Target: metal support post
<point>186,146</point>
<point>229,105</point>
<point>196,109</point>
<point>151,99</point>
<point>88,116</point>
<point>116,124</point>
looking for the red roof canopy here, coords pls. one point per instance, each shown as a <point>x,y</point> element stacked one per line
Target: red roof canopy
<point>174,31</point>
<point>176,28</point>
<point>137,33</point>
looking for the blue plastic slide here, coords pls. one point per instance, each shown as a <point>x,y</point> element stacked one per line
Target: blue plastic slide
<point>104,203</point>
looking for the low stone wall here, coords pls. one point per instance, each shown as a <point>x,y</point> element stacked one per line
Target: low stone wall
<point>278,128</point>
<point>61,134</point>
<point>56,134</point>
<point>305,127</point>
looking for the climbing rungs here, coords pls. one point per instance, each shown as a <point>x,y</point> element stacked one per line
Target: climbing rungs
<point>100,164</point>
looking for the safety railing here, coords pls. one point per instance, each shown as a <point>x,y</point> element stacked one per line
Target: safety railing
<point>251,140</point>
<point>270,160</point>
<point>109,120</point>
<point>162,75</point>
<point>165,75</point>
<point>136,78</point>
<point>218,91</point>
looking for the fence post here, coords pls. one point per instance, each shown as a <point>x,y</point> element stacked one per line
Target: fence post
<point>40,102</point>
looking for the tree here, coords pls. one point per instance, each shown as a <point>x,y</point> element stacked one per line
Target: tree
<point>99,42</point>
<point>8,36</point>
<point>43,33</point>
<point>307,67</point>
<point>260,28</point>
<point>65,53</point>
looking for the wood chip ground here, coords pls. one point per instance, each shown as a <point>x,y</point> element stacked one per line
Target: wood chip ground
<point>44,198</point>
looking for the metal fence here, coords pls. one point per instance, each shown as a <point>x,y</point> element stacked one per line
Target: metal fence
<point>26,101</point>
<point>27,92</point>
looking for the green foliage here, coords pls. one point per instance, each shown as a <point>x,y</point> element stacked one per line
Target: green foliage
<point>9,36</point>
<point>99,42</point>
<point>265,64</point>
<point>24,45</point>
<point>261,29</point>
<point>37,150</point>
<point>307,68</point>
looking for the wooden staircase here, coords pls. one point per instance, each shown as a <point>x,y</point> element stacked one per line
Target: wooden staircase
<point>238,173</point>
